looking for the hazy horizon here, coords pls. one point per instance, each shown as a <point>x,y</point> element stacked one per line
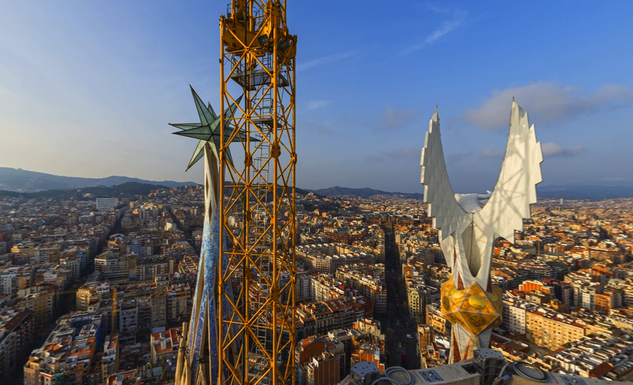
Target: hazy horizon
<point>548,186</point>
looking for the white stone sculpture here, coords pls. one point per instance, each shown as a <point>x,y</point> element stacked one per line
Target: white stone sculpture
<point>468,228</point>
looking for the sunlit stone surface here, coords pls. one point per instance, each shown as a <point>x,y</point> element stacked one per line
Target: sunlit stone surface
<point>469,224</point>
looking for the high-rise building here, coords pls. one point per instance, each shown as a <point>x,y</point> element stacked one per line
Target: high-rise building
<point>552,329</point>
<point>68,355</point>
<point>106,204</point>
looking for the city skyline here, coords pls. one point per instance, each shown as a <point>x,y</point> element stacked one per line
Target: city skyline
<point>93,81</point>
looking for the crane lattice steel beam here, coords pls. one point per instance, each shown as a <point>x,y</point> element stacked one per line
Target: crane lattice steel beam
<point>256,279</point>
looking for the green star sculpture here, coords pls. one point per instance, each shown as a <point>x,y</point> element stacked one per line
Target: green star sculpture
<point>208,130</point>
<point>204,316</point>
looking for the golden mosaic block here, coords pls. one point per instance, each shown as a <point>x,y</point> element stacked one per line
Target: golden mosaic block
<point>473,308</point>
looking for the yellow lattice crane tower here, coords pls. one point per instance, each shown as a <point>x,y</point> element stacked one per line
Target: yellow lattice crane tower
<point>115,315</point>
<point>256,279</point>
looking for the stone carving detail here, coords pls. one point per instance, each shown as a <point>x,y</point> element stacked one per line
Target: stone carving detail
<point>469,224</point>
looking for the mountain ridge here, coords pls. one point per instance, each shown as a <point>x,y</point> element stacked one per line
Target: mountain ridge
<point>124,190</point>
<point>573,192</point>
<point>364,192</point>
<point>24,181</point>
<point>19,180</point>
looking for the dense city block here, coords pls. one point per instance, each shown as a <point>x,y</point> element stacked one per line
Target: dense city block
<point>95,291</point>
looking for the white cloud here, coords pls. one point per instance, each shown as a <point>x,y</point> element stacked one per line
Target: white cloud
<point>8,93</point>
<point>458,157</point>
<point>490,153</point>
<point>435,8</point>
<point>314,104</point>
<point>396,154</point>
<point>393,118</point>
<point>546,102</point>
<point>551,150</point>
<point>316,128</point>
<point>324,60</point>
<point>457,20</point>
<point>403,153</point>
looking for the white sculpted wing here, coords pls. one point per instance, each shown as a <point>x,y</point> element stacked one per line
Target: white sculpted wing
<point>515,190</point>
<point>446,212</point>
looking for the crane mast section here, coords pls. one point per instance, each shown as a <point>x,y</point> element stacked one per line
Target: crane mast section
<point>256,279</point>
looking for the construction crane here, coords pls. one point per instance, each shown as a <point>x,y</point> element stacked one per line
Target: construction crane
<point>256,277</point>
<point>114,310</point>
<point>242,328</point>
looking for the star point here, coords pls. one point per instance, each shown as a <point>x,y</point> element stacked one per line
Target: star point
<point>208,131</point>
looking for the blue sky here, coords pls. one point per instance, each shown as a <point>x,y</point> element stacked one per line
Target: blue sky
<point>87,88</point>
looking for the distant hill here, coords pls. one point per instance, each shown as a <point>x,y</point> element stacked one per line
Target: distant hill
<point>23,181</point>
<point>19,180</point>
<point>129,190</point>
<point>360,192</point>
<point>593,193</point>
<point>544,192</point>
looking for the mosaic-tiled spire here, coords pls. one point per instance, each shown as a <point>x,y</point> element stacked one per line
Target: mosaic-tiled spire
<point>203,322</point>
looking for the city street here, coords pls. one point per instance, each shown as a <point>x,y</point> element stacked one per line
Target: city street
<point>397,324</point>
